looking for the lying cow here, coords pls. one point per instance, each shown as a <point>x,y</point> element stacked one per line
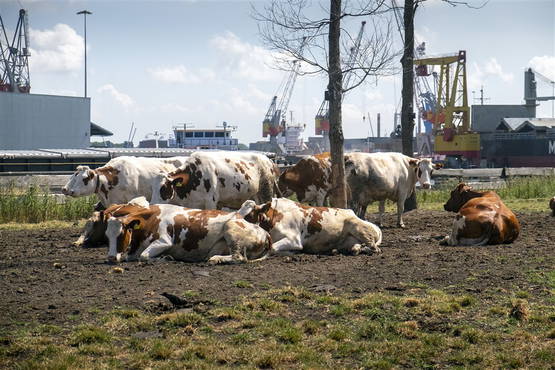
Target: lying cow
<point>552,206</point>
<point>482,218</point>
<point>309,179</point>
<point>212,180</point>
<point>94,232</point>
<point>191,235</point>
<point>121,179</point>
<point>382,176</point>
<point>295,227</point>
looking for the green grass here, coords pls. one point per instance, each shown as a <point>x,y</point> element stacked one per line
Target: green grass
<point>431,328</point>
<point>35,205</point>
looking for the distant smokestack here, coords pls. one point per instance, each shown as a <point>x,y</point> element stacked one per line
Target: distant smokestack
<point>530,92</point>
<point>379,124</point>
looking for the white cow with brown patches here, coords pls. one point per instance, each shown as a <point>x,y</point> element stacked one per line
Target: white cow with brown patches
<point>385,176</point>
<point>309,179</point>
<point>295,227</point>
<point>191,235</point>
<point>121,179</point>
<point>212,180</point>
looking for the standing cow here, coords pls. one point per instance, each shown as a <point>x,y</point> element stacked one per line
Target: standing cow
<point>119,180</point>
<point>191,235</point>
<point>295,227</point>
<point>382,176</point>
<point>482,218</point>
<point>212,180</point>
<point>309,179</point>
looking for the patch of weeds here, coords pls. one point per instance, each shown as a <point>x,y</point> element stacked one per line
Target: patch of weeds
<point>226,313</point>
<point>519,310</point>
<point>466,301</point>
<point>408,329</point>
<point>340,310</point>
<point>339,333</point>
<point>411,302</point>
<point>243,338</point>
<point>160,350</point>
<point>471,335</point>
<point>190,294</point>
<point>544,278</point>
<point>242,284</point>
<point>551,334</point>
<point>522,294</point>
<point>327,299</point>
<point>290,334</point>
<point>89,335</point>
<point>126,313</point>
<point>497,311</point>
<point>180,320</point>
<point>311,327</point>
<point>510,361</point>
<point>545,355</point>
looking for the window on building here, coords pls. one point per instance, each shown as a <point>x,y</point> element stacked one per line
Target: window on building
<point>209,134</point>
<point>199,134</point>
<point>188,134</point>
<point>227,134</point>
<point>219,134</point>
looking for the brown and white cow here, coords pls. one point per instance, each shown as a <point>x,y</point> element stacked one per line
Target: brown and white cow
<point>121,179</point>
<point>94,232</point>
<point>191,235</point>
<point>385,176</point>
<point>482,218</point>
<point>552,206</point>
<point>309,179</point>
<point>212,180</point>
<point>295,227</point>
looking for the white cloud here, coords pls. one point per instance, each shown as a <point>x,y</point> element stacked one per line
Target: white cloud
<point>244,60</point>
<point>176,74</point>
<point>494,68</point>
<point>125,100</point>
<point>545,65</point>
<point>173,107</point>
<point>478,74</point>
<point>59,49</point>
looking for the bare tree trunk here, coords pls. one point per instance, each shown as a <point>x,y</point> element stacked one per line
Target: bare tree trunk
<point>407,109</point>
<point>338,196</point>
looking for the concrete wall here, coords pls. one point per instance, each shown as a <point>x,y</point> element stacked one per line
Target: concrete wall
<point>485,118</point>
<point>31,121</point>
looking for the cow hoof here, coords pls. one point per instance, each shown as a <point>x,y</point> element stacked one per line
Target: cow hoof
<point>444,241</point>
<point>215,260</point>
<point>402,226</point>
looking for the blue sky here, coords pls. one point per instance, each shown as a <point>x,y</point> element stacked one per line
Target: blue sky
<point>160,63</point>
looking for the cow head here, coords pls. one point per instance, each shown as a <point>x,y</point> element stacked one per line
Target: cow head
<point>120,236</point>
<point>459,196</point>
<point>83,182</point>
<point>263,215</point>
<point>424,169</point>
<point>94,233</point>
<point>285,180</point>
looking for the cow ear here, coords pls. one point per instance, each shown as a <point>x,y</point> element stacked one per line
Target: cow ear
<point>413,162</point>
<point>265,207</point>
<point>438,166</point>
<point>134,224</point>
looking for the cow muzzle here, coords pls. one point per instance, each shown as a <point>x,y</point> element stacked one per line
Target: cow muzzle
<point>426,186</point>
<point>114,259</point>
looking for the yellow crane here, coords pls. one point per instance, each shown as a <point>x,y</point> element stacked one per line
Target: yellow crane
<point>451,118</point>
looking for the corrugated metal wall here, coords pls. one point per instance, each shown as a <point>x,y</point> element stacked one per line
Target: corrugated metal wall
<point>31,121</point>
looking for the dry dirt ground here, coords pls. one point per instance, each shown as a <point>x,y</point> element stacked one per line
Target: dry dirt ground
<point>47,280</point>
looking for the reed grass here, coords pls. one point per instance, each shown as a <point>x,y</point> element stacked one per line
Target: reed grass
<point>35,204</point>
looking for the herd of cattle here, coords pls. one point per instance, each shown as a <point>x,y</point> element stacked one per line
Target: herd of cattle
<point>157,207</point>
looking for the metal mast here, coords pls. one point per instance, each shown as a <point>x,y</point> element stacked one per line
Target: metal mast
<point>20,52</point>
<point>322,116</point>
<point>14,63</point>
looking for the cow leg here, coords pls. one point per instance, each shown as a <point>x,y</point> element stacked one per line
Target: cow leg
<point>362,237</point>
<point>154,250</point>
<point>400,209</point>
<point>381,211</point>
<point>225,252</point>
<point>286,245</point>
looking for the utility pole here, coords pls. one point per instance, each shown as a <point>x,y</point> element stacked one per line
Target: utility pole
<point>481,98</point>
<point>85,13</point>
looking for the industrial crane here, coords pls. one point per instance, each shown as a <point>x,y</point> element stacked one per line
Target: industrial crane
<point>274,120</point>
<point>322,119</point>
<point>14,57</point>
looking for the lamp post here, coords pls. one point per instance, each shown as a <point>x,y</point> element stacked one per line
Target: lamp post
<point>85,13</point>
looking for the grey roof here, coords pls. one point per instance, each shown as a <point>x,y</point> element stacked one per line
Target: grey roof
<point>97,130</point>
<point>517,124</point>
